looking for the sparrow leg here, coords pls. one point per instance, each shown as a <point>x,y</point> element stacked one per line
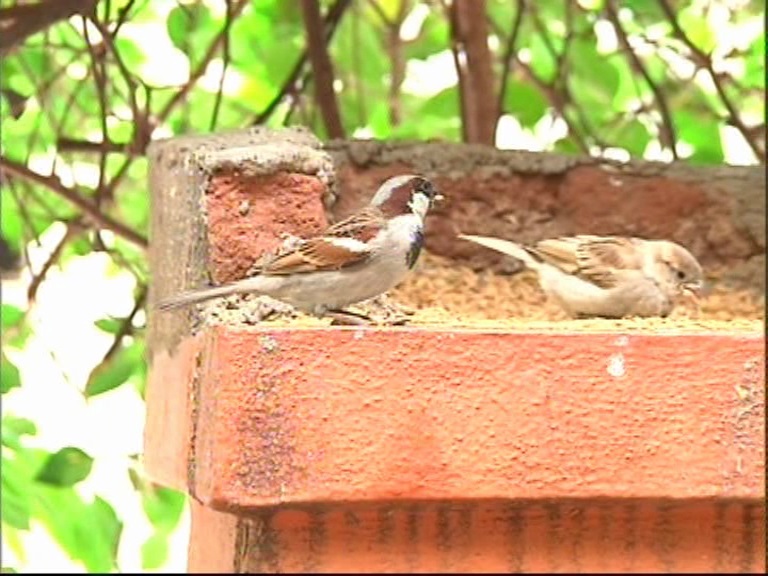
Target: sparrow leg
<point>383,301</point>
<point>347,318</point>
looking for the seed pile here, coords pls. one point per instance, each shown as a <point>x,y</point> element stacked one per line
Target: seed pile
<point>442,293</point>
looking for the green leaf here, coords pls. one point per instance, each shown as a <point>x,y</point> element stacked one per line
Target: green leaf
<point>110,325</point>
<point>703,136</point>
<point>525,102</point>
<point>13,539</point>
<point>154,551</point>
<point>163,506</point>
<point>433,38</point>
<point>697,28</point>
<point>115,371</point>
<point>11,315</point>
<point>89,533</point>
<point>754,64</point>
<point>14,428</point>
<point>594,80</point>
<point>10,216</point>
<point>191,27</point>
<point>66,467</point>
<point>9,375</point>
<point>542,61</point>
<point>632,136</point>
<point>14,495</point>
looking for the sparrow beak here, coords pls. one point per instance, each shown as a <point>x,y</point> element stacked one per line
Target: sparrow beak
<point>693,290</point>
<point>438,197</point>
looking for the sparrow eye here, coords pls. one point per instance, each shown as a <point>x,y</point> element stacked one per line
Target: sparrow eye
<point>425,187</point>
<point>680,275</point>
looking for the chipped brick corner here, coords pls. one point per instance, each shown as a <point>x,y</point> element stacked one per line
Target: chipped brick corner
<point>309,450</point>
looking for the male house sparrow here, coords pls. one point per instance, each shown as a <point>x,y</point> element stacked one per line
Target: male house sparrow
<point>356,259</point>
<point>610,277</point>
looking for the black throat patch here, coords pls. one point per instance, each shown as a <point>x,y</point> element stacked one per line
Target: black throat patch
<point>413,252</point>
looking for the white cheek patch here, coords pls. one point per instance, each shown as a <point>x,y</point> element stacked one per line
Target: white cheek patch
<point>419,204</point>
<point>350,244</point>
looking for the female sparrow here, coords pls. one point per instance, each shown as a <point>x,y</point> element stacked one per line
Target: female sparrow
<point>356,259</point>
<point>610,277</point>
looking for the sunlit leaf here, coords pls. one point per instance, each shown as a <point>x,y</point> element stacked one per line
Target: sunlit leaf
<point>66,467</point>
<point>14,428</point>
<point>525,102</point>
<point>10,377</point>
<point>542,61</point>
<point>154,551</point>
<point>89,533</point>
<point>10,220</point>
<point>115,371</point>
<point>11,316</point>
<point>434,37</point>
<point>163,506</point>
<point>14,495</point>
<point>704,137</point>
<point>633,136</point>
<point>189,24</point>
<point>697,28</point>
<point>110,325</point>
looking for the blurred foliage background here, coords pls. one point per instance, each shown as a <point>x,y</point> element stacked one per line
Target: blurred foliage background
<point>87,84</point>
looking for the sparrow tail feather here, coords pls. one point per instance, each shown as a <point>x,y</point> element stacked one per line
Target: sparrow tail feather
<point>201,295</point>
<point>505,247</point>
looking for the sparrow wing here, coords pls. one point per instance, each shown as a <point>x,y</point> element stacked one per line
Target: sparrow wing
<point>597,259</point>
<point>343,244</point>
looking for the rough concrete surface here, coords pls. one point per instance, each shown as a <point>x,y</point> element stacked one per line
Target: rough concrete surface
<point>202,218</point>
<point>221,201</point>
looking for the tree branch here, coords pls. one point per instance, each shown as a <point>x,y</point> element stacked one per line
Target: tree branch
<point>89,208</point>
<point>322,68</point>
<point>19,22</point>
<point>332,20</point>
<point>509,52</point>
<point>668,127</point>
<point>705,61</point>
<point>470,30</point>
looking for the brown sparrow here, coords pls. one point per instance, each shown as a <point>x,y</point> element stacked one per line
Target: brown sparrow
<point>610,277</point>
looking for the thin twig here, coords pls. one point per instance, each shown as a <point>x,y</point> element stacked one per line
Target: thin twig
<point>332,20</point>
<point>53,183</point>
<point>53,258</point>
<point>509,52</point>
<point>126,326</point>
<point>97,69</point>
<point>668,127</point>
<point>322,68</point>
<point>226,57</point>
<point>141,132</point>
<point>198,72</point>
<point>558,102</point>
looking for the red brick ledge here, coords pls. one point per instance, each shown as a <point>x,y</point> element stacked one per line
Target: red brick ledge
<point>250,418</point>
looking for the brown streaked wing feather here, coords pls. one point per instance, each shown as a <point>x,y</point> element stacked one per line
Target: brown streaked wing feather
<point>596,259</point>
<point>558,252</point>
<point>320,253</point>
<point>362,226</point>
<point>313,255</point>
